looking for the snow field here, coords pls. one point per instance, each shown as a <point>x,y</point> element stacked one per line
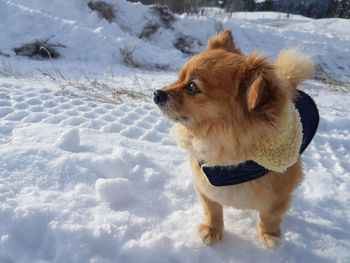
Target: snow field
<point>88,182</point>
<point>116,191</point>
<point>57,159</point>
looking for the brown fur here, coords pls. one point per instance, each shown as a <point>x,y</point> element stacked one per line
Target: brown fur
<point>240,104</point>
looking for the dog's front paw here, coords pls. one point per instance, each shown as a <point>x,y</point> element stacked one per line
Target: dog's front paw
<point>270,239</point>
<point>209,234</point>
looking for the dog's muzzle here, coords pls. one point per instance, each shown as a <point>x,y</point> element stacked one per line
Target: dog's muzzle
<point>160,97</point>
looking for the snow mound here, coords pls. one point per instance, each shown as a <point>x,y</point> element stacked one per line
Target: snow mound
<point>109,166</point>
<point>69,141</point>
<point>116,191</point>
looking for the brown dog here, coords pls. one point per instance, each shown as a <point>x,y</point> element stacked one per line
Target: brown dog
<point>226,105</point>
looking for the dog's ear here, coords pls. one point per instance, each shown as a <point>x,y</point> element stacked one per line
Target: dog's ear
<point>256,82</point>
<point>223,40</point>
<point>256,92</point>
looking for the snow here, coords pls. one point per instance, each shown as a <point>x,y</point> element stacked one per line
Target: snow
<point>115,191</point>
<point>69,141</point>
<point>85,181</point>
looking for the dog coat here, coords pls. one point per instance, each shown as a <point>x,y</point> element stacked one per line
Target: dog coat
<point>303,114</point>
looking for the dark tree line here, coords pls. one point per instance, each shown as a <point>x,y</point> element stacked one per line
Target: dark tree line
<point>339,9</point>
<point>193,6</point>
<point>310,8</point>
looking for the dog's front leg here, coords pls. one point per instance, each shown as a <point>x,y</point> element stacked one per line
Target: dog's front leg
<point>269,225</point>
<point>212,228</point>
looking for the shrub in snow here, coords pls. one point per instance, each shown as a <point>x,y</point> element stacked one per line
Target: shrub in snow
<point>185,44</point>
<point>104,9</point>
<point>38,50</point>
<point>165,15</point>
<point>115,191</point>
<point>126,54</point>
<point>149,29</point>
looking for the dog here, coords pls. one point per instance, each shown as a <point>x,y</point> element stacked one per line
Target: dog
<point>233,111</point>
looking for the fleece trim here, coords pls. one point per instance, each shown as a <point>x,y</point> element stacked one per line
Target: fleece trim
<point>281,151</point>
<point>308,117</point>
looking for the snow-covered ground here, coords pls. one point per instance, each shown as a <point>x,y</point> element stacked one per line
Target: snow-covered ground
<point>84,181</point>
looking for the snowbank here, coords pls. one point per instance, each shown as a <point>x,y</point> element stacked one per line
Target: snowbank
<point>157,41</point>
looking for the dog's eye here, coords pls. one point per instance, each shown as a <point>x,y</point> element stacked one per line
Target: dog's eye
<point>192,88</point>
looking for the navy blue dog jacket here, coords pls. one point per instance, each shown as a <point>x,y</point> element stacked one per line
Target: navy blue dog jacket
<point>250,170</point>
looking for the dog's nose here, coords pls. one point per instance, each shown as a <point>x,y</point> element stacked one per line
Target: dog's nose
<point>160,97</point>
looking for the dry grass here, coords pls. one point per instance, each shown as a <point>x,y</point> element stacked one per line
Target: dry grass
<point>322,74</point>
<point>104,9</point>
<point>7,70</point>
<point>106,93</point>
<point>126,54</point>
<point>111,92</point>
<point>335,85</point>
<point>219,27</point>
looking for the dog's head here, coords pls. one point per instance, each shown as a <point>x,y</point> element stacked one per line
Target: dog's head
<point>222,85</point>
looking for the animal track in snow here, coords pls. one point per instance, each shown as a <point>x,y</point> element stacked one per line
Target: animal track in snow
<point>131,121</point>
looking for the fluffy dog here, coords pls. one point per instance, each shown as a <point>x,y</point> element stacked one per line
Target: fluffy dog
<point>229,109</point>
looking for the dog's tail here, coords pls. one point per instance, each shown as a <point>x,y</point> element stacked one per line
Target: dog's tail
<point>294,66</point>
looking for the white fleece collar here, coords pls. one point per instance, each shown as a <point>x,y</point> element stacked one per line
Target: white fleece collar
<point>281,151</point>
